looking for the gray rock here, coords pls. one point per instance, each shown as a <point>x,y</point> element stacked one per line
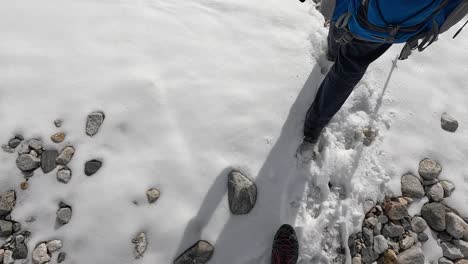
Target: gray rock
<point>64,215</point>
<point>357,260</point>
<point>15,142</point>
<point>406,223</point>
<point>456,226</point>
<point>418,224</point>
<point>448,123</point>
<point>140,243</point>
<point>8,257</point>
<point>462,245</point>
<point>92,166</point>
<point>16,227</point>
<point>94,122</point>
<point>8,149</point>
<point>445,261</point>
<point>378,229</point>
<point>411,186</point>
<point>392,230</point>
<point>153,195</point>
<point>199,253</point>
<point>64,175</point>
<point>429,169</point>
<point>462,261</point>
<point>380,244</point>
<point>54,245</point>
<point>58,122</point>
<point>448,187</point>
<point>413,255</point>
<point>434,214</point>
<point>27,162</point>
<point>7,202</point>
<point>390,257</point>
<point>20,251</point>
<point>36,144</point>
<point>436,193</point>
<point>371,221</point>
<point>6,228</point>
<point>450,251</point>
<point>40,255</point>
<point>61,257</point>
<point>242,193</point>
<point>428,183</point>
<point>444,236</point>
<point>369,256</point>
<point>393,245</point>
<point>65,155</point>
<point>368,236</point>
<point>23,148</point>
<point>407,242</point>
<point>48,158</point>
<point>395,210</point>
<point>422,237</point>
<point>368,205</point>
<point>383,219</point>
<point>19,239</point>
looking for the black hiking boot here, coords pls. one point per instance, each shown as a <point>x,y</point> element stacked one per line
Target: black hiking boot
<point>285,246</point>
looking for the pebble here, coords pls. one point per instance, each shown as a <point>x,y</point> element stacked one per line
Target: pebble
<point>153,195</point>
<point>357,260</point>
<point>64,175</point>
<point>436,193</point>
<point>423,237</point>
<point>462,245</point>
<point>445,261</point>
<point>48,158</point>
<point>64,215</point>
<point>368,255</point>
<point>448,187</point>
<point>390,257</point>
<point>378,229</point>
<point>371,221</point>
<point>434,214</point>
<point>92,166</point>
<point>58,137</point>
<point>395,210</point>
<point>407,242</point>
<point>6,228</point>
<point>429,183</point>
<point>242,193</point>
<point>418,224</point>
<point>65,155</point>
<point>199,253</point>
<point>8,257</point>
<point>368,206</point>
<point>23,148</point>
<point>15,142</point>
<point>383,219</point>
<point>54,245</point>
<point>19,239</point>
<point>40,255</point>
<point>368,236</point>
<point>429,169</point>
<point>456,226</point>
<point>448,123</point>
<point>58,122</point>
<point>380,244</point>
<point>392,230</point>
<point>7,149</point>
<point>140,244</point>
<point>462,261</point>
<point>24,185</point>
<point>369,135</point>
<point>35,144</point>
<point>27,162</point>
<point>411,186</point>
<point>7,202</point>
<point>61,257</point>
<point>406,223</point>
<point>444,236</point>
<point>94,122</point>
<point>16,227</point>
<point>20,251</point>
<point>450,251</point>
<point>413,255</point>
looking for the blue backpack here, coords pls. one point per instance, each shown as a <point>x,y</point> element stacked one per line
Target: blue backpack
<point>416,22</point>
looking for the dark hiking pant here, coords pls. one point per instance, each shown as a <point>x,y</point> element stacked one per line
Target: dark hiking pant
<point>351,62</point>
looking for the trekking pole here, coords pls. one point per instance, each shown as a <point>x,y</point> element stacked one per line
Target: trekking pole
<point>460,30</point>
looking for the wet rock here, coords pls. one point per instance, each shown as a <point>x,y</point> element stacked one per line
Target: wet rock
<point>65,155</point>
<point>200,253</point>
<point>6,228</point>
<point>20,251</point>
<point>64,215</point>
<point>94,122</point>
<point>390,257</point>
<point>61,257</point>
<point>436,193</point>
<point>380,244</point>
<point>15,142</point>
<point>242,193</point>
<point>64,175</point>
<point>411,186</point>
<point>448,123</point>
<point>58,137</point>
<point>456,226</point>
<point>413,255</point>
<point>428,183</point>
<point>54,245</point>
<point>450,251</point>
<point>445,261</point>
<point>92,166</point>
<point>140,244</point>
<point>434,214</point>
<point>48,158</point>
<point>429,169</point>
<point>422,237</point>
<point>16,227</point>
<point>8,257</point>
<point>392,230</point>
<point>418,224</point>
<point>27,162</point>
<point>40,255</point>
<point>152,195</point>
<point>395,210</point>
<point>448,187</point>
<point>7,202</point>
<point>407,242</point>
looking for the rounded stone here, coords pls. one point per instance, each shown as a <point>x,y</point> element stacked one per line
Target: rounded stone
<point>65,155</point>
<point>92,166</point>
<point>448,123</point>
<point>58,137</point>
<point>418,224</point>
<point>411,186</point>
<point>448,187</point>
<point>64,175</point>
<point>94,122</point>
<point>27,162</point>
<point>242,193</point>
<point>435,193</point>
<point>40,255</point>
<point>429,169</point>
<point>64,215</point>
<point>153,195</point>
<point>422,237</point>
<point>434,214</point>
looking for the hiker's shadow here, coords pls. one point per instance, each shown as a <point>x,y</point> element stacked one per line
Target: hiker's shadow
<point>251,235</point>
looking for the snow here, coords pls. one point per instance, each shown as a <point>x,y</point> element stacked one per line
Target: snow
<point>193,89</point>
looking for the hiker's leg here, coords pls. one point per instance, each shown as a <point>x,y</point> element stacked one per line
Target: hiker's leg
<point>351,64</point>
<point>333,46</point>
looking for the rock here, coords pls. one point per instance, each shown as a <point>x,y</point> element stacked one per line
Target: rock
<point>462,245</point>
<point>7,202</point>
<point>94,122</point>
<point>140,244</point>
<point>20,251</point>
<point>434,214</point>
<point>378,229</point>
<point>64,175</point>
<point>429,169</point>
<point>54,245</point>
<point>407,242</point>
<point>24,185</point>
<point>242,193</point>
<point>15,142</point>
<point>395,210</point>
<point>413,255</point>
<point>450,251</point>
<point>6,228</point>
<point>61,257</point>
<point>428,183</point>
<point>369,256</point>
<point>380,244</point>
<point>58,122</point>
<point>65,155</point>
<point>462,261</point>
<point>16,227</point>
<point>58,137</point>
<point>406,223</point>
<point>392,230</point>
<point>371,222</point>
<point>19,239</point>
<point>368,236</point>
<point>36,144</point>
<point>422,237</point>
<point>48,158</point>
<point>368,205</point>
<point>436,193</point>
<point>369,135</point>
<point>444,236</point>
<point>448,123</point>
<point>27,162</point>
<point>30,219</point>
<point>23,148</point>
<point>153,195</point>
<point>40,255</point>
<point>8,257</point>
<point>8,149</point>
<point>92,166</point>
<point>199,253</point>
<point>357,260</point>
<point>418,224</point>
<point>411,186</point>
<point>383,219</point>
<point>456,226</point>
<point>448,187</point>
<point>64,215</point>
<point>445,261</point>
<point>390,257</point>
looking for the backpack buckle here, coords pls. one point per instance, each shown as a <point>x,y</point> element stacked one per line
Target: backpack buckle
<point>393,30</point>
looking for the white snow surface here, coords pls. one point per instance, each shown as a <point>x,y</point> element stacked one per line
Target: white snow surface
<point>192,89</point>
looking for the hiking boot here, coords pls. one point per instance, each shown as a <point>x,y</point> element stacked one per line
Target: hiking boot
<point>306,152</point>
<point>285,246</point>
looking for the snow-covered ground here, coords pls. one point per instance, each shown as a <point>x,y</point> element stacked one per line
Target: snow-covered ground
<point>192,89</point>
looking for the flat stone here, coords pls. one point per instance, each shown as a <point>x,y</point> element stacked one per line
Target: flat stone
<point>48,158</point>
<point>434,214</point>
<point>20,251</point>
<point>450,251</point>
<point>395,210</point>
<point>448,187</point>
<point>200,253</point>
<point>61,257</point>
<point>64,175</point>
<point>65,155</point>
<point>456,226</point>
<point>429,169</point>
<point>54,245</point>
<point>7,202</point>
<point>422,237</point>
<point>418,224</point>
<point>27,162</point>
<point>64,215</point>
<point>36,144</point>
<point>380,244</point>
<point>8,257</point>
<point>242,193</point>
<point>445,261</point>
<point>407,242</point>
<point>92,166</point>
<point>462,245</point>
<point>58,137</point>
<point>6,228</point>
<point>436,193</point>
<point>40,255</point>
<point>392,230</point>
<point>448,123</point>
<point>140,244</point>
<point>411,186</point>
<point>390,257</point>
<point>413,255</point>
<point>94,122</point>
<point>153,195</point>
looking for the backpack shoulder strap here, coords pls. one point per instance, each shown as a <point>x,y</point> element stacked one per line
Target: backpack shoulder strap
<point>455,16</point>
